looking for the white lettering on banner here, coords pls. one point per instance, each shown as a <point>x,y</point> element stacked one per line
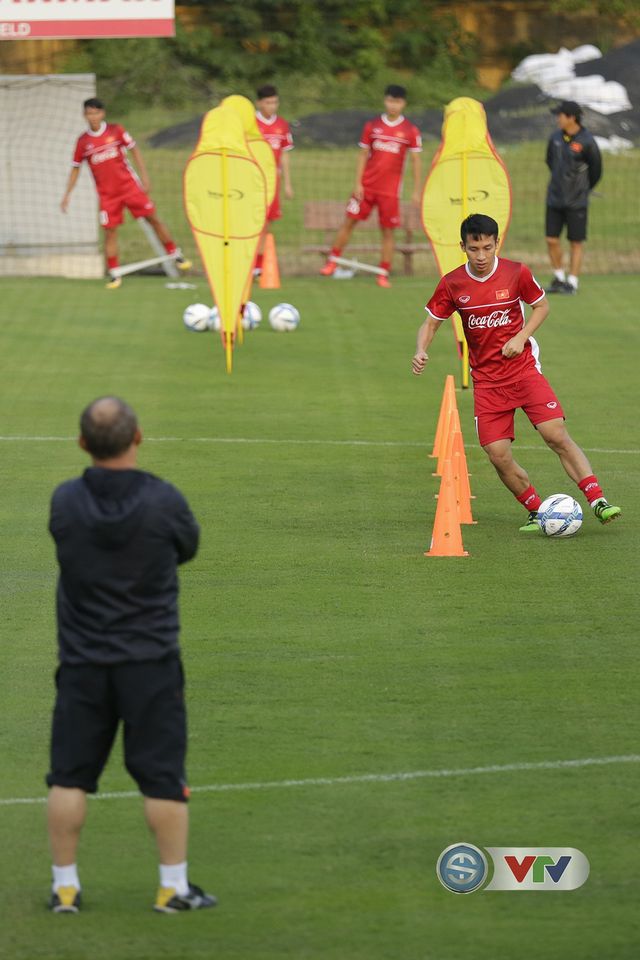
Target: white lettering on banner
<point>387,146</point>
<point>499,318</point>
<point>86,18</point>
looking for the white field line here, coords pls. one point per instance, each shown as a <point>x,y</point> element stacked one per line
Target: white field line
<point>361,778</point>
<point>321,443</point>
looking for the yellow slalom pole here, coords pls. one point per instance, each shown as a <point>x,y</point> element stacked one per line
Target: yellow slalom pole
<point>465,210</point>
<point>228,343</point>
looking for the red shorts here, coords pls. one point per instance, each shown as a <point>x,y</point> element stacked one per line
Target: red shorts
<point>133,198</point>
<point>388,209</point>
<point>495,407</point>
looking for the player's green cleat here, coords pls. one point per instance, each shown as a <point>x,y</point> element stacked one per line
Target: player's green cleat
<point>605,512</point>
<point>168,901</point>
<point>532,525</point>
<point>65,900</point>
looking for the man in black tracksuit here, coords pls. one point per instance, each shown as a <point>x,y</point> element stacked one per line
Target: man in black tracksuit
<point>574,160</point>
<point>120,534</point>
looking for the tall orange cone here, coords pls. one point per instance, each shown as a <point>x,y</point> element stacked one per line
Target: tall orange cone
<point>446,540</point>
<point>446,447</point>
<point>270,276</point>
<point>461,479</point>
<point>448,401</point>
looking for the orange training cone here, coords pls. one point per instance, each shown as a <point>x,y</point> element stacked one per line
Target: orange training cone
<point>448,400</point>
<point>447,538</point>
<point>270,276</point>
<point>461,479</point>
<point>446,447</point>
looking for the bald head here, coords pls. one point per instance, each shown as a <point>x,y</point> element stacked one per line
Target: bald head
<point>108,428</point>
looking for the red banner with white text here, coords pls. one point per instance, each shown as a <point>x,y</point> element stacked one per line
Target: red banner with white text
<point>85,19</point>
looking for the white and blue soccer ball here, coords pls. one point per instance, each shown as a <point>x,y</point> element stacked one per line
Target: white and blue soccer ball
<point>560,515</point>
<point>251,315</point>
<point>196,317</point>
<point>284,317</point>
<point>213,322</point>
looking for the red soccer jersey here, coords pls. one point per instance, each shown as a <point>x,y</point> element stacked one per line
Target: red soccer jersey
<point>106,153</point>
<point>387,142</point>
<point>492,311</point>
<point>277,133</point>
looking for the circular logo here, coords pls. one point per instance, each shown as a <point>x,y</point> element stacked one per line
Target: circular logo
<point>462,868</point>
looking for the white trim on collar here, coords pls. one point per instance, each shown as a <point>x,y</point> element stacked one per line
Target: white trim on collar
<point>97,133</point>
<point>481,279</point>
<point>268,120</point>
<point>391,123</point>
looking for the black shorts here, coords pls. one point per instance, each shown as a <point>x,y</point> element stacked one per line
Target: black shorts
<point>576,221</point>
<point>91,701</point>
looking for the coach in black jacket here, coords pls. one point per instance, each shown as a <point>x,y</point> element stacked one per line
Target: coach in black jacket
<point>120,535</point>
<point>574,160</point>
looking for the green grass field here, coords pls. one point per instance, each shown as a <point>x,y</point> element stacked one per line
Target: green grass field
<point>318,640</point>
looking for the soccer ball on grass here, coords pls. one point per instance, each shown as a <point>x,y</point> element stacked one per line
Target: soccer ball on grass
<point>560,515</point>
<point>196,317</point>
<point>284,318</point>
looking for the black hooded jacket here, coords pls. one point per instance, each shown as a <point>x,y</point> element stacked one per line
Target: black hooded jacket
<point>120,535</point>
<point>576,166</point>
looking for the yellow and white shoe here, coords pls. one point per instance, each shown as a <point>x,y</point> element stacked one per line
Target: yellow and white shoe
<point>113,283</point>
<point>168,901</point>
<point>183,264</point>
<point>65,900</point>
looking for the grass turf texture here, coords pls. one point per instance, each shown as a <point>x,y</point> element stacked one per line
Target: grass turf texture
<point>319,642</point>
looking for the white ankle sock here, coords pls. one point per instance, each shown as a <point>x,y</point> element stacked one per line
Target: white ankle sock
<point>174,875</point>
<point>560,275</point>
<point>573,280</point>
<point>65,876</point>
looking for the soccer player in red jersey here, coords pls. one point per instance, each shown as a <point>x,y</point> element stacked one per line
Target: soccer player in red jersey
<point>489,293</point>
<point>384,144</point>
<point>104,146</point>
<point>277,132</point>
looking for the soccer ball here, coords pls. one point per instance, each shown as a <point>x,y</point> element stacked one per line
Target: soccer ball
<point>251,315</point>
<point>196,317</point>
<point>284,317</point>
<point>560,516</point>
<point>213,321</point>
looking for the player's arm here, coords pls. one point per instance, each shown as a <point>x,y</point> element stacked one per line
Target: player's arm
<point>426,333</point>
<point>539,313</point>
<point>286,175</point>
<point>71,182</point>
<point>417,176</point>
<point>594,162</point>
<point>140,165</point>
<point>360,165</point>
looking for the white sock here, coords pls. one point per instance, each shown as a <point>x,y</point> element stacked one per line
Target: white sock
<point>573,280</point>
<point>560,275</point>
<point>594,503</point>
<point>174,875</point>
<point>65,876</point>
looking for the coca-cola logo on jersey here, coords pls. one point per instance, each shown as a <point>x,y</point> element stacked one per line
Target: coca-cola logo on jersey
<point>110,154</point>
<point>387,146</point>
<point>499,318</point>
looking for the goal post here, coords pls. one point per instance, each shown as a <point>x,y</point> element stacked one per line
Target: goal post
<point>40,120</point>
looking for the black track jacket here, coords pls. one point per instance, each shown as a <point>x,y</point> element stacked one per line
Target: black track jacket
<point>576,167</point>
<point>120,535</point>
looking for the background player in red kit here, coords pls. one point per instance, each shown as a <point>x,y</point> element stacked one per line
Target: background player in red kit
<point>489,293</point>
<point>104,146</point>
<point>277,133</point>
<point>384,144</point>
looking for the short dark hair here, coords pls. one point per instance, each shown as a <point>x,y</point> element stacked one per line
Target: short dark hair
<point>108,427</point>
<point>478,225</point>
<point>395,90</point>
<point>268,90</point>
<point>93,102</point>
